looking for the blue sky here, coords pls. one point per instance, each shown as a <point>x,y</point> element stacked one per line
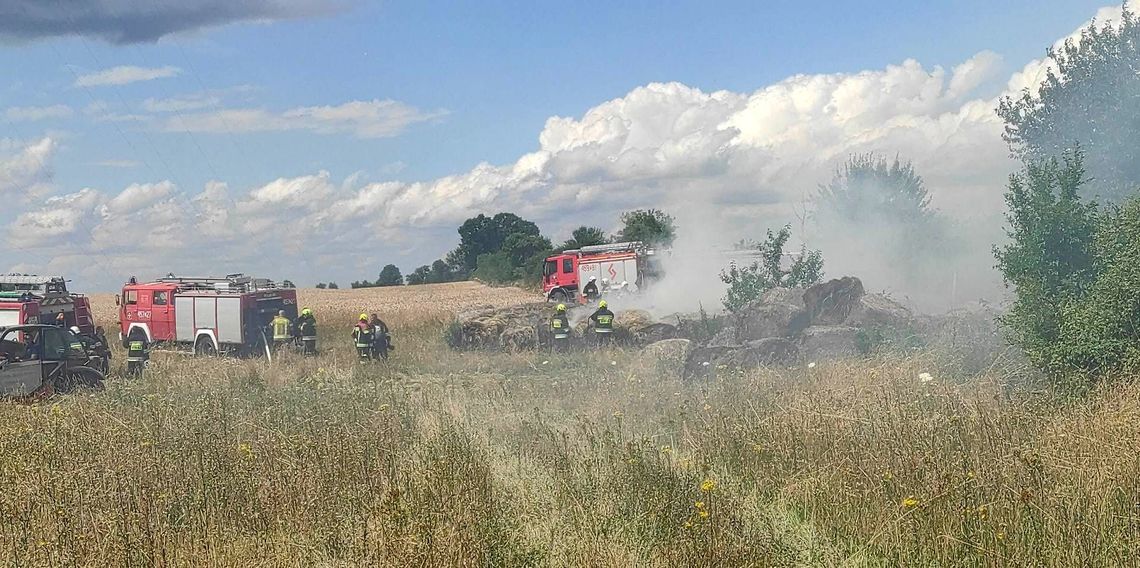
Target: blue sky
<point>472,83</point>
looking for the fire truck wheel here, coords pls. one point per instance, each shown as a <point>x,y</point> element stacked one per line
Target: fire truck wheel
<point>560,296</point>
<point>204,347</point>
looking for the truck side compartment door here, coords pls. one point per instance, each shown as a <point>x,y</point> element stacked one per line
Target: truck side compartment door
<point>162,313</point>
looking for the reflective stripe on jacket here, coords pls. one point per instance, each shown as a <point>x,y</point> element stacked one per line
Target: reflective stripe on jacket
<point>280,328</point>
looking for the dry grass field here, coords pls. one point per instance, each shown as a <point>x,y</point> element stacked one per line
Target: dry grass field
<point>440,458</point>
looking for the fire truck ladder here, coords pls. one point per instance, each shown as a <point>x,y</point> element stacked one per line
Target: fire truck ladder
<point>230,283</point>
<point>613,247</point>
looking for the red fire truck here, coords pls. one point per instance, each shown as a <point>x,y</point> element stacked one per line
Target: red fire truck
<point>564,275</point>
<point>29,299</point>
<point>210,315</point>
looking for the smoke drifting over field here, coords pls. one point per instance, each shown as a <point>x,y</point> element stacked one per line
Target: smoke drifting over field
<point>956,274</point>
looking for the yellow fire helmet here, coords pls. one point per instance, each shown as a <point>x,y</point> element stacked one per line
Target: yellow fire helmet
<point>363,317</point>
<point>602,304</point>
<point>561,308</point>
<point>306,312</point>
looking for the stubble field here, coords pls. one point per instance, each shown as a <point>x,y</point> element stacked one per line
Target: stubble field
<point>440,458</point>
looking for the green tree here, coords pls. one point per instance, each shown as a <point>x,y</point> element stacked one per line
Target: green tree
<point>882,206</point>
<point>748,282</point>
<point>321,286</point>
<point>520,248</point>
<point>495,268</point>
<point>333,286</point>
<point>650,226</point>
<point>1049,259</point>
<point>390,276</point>
<point>482,235</point>
<point>1092,98</point>
<point>584,237</point>
<point>440,272</point>
<point>868,187</point>
<point>419,275</point>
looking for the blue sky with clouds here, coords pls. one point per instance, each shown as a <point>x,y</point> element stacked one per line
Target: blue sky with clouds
<point>216,123</point>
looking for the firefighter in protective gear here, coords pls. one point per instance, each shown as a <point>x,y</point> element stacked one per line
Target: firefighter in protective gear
<point>137,357</point>
<point>306,331</point>
<point>381,338</point>
<point>560,326</point>
<point>281,329</point>
<point>590,290</point>
<point>602,321</point>
<point>362,335</point>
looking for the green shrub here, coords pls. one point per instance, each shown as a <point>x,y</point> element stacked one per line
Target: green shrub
<point>748,282</point>
<point>1076,272</point>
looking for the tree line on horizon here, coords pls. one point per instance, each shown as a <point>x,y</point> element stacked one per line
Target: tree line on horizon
<point>507,249</point>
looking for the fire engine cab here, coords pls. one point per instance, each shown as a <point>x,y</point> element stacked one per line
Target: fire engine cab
<point>210,315</point>
<point>29,299</point>
<point>565,275</point>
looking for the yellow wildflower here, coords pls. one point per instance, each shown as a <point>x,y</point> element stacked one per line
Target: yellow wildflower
<point>910,502</point>
<point>703,513</point>
<point>983,512</point>
<point>666,450</point>
<point>699,505</point>
<point>245,449</point>
<point>708,485</point>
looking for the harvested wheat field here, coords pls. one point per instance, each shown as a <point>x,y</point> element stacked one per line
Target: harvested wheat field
<point>440,458</point>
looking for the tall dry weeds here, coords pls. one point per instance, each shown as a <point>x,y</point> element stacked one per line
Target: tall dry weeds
<point>474,459</point>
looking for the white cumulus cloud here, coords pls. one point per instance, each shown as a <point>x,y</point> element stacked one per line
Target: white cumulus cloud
<point>364,119</point>
<point>27,168</point>
<point>125,74</point>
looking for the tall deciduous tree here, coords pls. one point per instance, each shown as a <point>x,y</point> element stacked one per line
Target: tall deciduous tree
<point>584,237</point>
<point>482,234</point>
<point>651,226</point>
<point>1091,98</point>
<point>870,187</point>
<point>390,276</point>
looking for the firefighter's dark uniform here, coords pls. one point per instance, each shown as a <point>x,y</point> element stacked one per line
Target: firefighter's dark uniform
<point>603,320</point>
<point>381,341</point>
<point>362,335</point>
<point>137,357</point>
<point>590,291</point>
<point>560,329</point>
<point>307,332</point>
